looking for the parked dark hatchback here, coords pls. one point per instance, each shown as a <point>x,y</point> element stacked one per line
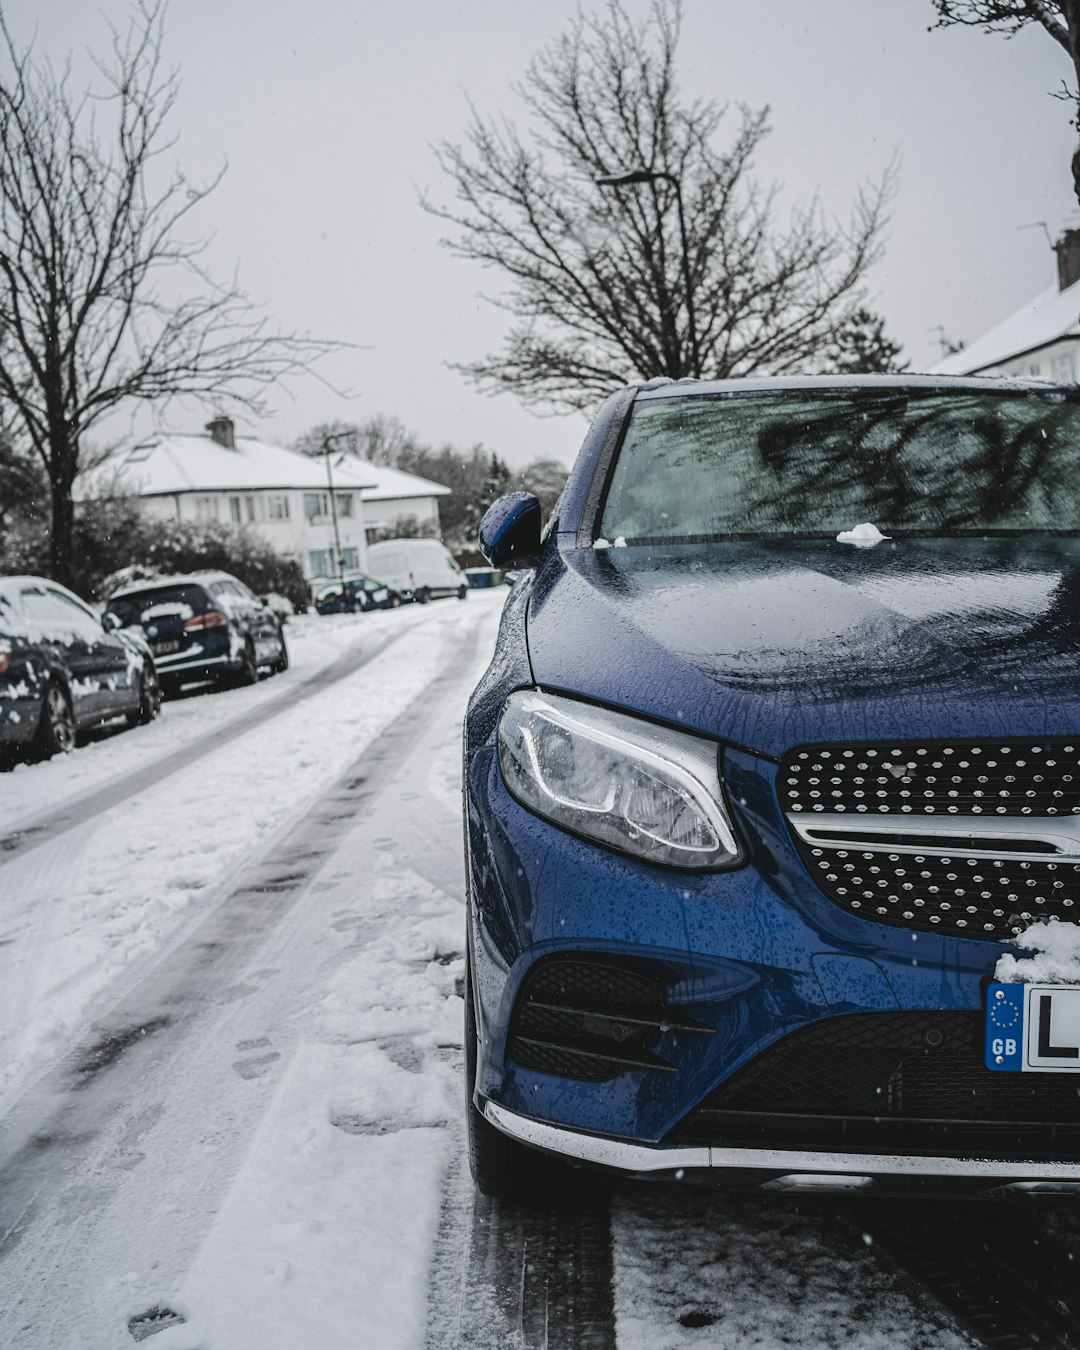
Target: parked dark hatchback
<point>778,755</point>
<point>359,593</point>
<point>62,670</point>
<point>204,626</point>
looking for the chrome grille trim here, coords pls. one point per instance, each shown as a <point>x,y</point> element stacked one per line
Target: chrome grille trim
<point>956,836</point>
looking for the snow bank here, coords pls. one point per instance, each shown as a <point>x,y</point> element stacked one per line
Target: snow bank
<point>109,896</point>
<point>1055,959</point>
<point>325,1237</point>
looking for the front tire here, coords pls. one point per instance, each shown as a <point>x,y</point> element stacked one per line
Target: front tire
<point>56,730</point>
<point>463,593</point>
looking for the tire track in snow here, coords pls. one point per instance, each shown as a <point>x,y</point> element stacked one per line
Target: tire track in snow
<point>696,1265</point>
<point>510,1277</point>
<point>73,1153</point>
<point>1006,1272</point>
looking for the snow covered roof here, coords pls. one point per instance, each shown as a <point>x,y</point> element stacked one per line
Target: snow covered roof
<point>165,465</point>
<point>1052,315</point>
<point>390,484</point>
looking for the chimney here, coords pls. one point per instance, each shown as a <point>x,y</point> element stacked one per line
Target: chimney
<point>221,428</point>
<point>1067,249</point>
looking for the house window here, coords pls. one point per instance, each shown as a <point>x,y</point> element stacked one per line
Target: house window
<point>1063,367</point>
<point>234,510</point>
<point>344,503</point>
<point>320,562</point>
<point>277,508</point>
<point>316,504</point>
<point>254,509</point>
<point>350,558</point>
<point>206,509</point>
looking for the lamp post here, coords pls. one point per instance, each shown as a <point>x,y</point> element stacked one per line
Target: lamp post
<point>339,565</point>
<point>630,179</point>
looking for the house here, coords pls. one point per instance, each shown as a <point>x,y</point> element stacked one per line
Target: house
<point>391,496</point>
<point>285,497</point>
<point>1041,340</point>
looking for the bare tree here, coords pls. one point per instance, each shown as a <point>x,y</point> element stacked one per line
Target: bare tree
<point>102,299</point>
<point>1059,18</point>
<point>378,440</point>
<point>545,479</point>
<point>600,283</point>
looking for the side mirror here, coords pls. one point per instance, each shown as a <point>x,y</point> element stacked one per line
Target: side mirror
<point>110,622</point>
<point>510,531</point>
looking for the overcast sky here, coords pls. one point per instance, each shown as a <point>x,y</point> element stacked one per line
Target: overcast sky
<point>326,111</point>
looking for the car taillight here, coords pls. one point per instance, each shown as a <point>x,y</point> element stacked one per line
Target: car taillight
<point>213,618</point>
<point>5,658</point>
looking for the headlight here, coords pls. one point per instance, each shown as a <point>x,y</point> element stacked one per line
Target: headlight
<point>639,788</point>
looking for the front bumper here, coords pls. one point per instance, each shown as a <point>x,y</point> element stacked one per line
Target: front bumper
<point>751,964</point>
<point>793,1170</point>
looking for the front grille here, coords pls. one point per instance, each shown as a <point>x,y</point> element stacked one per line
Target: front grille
<point>892,1082</point>
<point>585,1018</point>
<point>995,778</point>
<point>940,837</point>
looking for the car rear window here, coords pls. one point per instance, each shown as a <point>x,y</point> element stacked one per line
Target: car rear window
<point>814,464</point>
<point>144,606</point>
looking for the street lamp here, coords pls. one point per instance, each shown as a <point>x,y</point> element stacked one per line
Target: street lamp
<point>327,440</point>
<point>631,179</point>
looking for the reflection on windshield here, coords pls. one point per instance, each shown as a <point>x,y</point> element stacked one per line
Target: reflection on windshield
<point>813,464</point>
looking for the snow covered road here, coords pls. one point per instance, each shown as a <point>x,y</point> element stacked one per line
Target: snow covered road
<point>230,1064</point>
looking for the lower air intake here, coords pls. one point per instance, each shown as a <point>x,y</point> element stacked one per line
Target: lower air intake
<point>890,1082</point>
<point>590,1020</point>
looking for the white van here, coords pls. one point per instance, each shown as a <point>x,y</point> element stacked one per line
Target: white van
<point>423,567</point>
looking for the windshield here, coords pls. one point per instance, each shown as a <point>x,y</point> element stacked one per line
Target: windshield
<point>811,464</point>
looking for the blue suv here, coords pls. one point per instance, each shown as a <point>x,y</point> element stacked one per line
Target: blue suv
<point>778,753</point>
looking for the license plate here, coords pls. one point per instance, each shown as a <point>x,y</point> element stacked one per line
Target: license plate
<point>161,648</point>
<point>1033,1028</point>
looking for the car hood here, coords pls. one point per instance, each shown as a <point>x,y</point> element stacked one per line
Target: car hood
<point>772,644</point>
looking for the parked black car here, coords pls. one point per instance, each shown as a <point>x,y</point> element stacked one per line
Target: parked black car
<point>202,627</point>
<point>63,669</point>
<point>358,592</point>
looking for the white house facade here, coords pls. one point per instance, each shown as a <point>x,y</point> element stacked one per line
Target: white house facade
<point>1041,340</point>
<point>288,499</point>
